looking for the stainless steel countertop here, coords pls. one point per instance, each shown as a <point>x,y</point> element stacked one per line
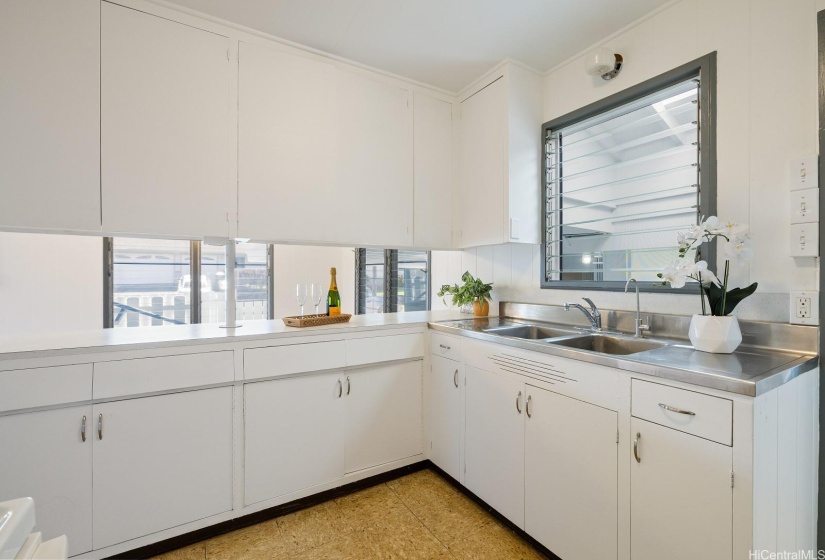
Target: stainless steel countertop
<point>749,371</point>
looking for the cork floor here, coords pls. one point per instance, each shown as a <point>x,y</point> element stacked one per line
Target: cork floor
<point>419,516</point>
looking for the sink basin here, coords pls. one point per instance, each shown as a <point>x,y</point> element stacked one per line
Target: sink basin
<point>530,332</point>
<point>605,344</point>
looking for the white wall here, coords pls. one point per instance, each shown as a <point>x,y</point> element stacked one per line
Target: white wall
<point>298,264</point>
<point>766,116</point>
<point>50,283</point>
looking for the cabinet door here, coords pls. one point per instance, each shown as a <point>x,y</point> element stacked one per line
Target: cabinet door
<point>160,462</point>
<point>164,126</point>
<point>445,414</point>
<point>433,149</point>
<point>45,457</point>
<point>374,201</point>
<point>681,500</point>
<point>50,121</point>
<point>483,167</point>
<point>294,435</point>
<point>571,476</point>
<point>494,441</point>
<point>286,162</point>
<point>383,414</point>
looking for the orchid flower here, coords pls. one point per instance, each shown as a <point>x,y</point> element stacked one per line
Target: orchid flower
<point>738,248</point>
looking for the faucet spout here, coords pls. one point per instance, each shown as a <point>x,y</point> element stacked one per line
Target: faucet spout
<point>592,314</point>
<point>639,326</point>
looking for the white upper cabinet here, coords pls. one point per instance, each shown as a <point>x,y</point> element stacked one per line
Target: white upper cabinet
<point>50,116</point>
<point>432,147</point>
<point>286,149</point>
<point>164,126</point>
<point>373,202</point>
<point>499,158</point>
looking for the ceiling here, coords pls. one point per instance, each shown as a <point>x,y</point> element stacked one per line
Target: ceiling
<point>444,43</point>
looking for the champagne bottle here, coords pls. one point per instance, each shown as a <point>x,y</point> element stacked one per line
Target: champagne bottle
<point>333,298</point>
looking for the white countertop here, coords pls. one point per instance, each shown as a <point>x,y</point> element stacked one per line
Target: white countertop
<point>97,340</point>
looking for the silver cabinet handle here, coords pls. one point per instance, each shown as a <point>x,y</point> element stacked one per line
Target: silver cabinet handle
<point>340,388</point>
<point>444,346</point>
<point>518,402</point>
<point>636,447</point>
<point>677,410</point>
<point>83,430</point>
<point>455,379</point>
<point>100,426</point>
<point>527,406</point>
<point>348,385</point>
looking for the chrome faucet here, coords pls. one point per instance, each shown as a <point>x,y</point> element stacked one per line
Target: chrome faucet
<point>592,314</point>
<point>639,326</point>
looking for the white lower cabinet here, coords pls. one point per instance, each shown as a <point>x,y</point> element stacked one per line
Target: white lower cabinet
<point>45,457</point>
<point>571,476</point>
<point>681,498</point>
<point>547,462</point>
<point>312,429</point>
<point>494,441</point>
<point>445,414</point>
<point>160,462</point>
<point>383,414</point>
<point>294,434</point>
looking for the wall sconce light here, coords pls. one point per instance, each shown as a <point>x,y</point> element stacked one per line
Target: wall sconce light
<point>587,258</point>
<point>604,62</point>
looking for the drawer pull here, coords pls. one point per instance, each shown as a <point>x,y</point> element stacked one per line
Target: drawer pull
<point>455,379</point>
<point>676,410</point>
<point>83,430</point>
<point>636,447</point>
<point>518,402</point>
<point>444,346</point>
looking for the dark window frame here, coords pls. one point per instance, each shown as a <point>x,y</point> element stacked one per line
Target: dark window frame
<point>705,68</point>
<point>195,307</point>
<point>390,280</point>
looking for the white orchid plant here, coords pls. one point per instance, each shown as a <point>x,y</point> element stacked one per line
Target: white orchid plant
<point>738,248</point>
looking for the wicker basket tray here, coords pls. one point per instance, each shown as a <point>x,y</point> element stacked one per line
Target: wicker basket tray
<point>316,320</point>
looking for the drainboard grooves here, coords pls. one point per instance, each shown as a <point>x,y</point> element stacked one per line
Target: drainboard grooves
<point>523,365</point>
<point>548,381</point>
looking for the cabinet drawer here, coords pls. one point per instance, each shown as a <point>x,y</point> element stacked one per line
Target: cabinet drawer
<point>293,358</point>
<point>701,415</point>
<point>149,375</point>
<point>28,388</point>
<point>445,346</point>
<point>362,351</point>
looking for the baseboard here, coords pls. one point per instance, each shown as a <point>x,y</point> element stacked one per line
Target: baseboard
<point>193,537</point>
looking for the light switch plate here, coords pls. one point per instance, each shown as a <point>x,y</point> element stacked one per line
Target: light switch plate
<point>805,206</point>
<point>805,308</point>
<point>803,173</point>
<point>805,240</point>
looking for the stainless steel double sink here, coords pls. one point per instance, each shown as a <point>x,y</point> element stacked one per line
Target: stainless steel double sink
<point>602,343</point>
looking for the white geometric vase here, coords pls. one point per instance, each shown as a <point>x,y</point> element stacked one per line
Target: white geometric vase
<point>718,335</point>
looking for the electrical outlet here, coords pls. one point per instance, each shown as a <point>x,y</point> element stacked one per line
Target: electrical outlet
<point>805,308</point>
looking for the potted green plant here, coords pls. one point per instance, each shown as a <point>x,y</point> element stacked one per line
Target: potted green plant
<point>474,291</point>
